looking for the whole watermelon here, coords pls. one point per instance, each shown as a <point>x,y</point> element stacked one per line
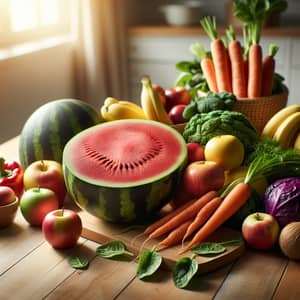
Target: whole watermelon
<point>51,126</point>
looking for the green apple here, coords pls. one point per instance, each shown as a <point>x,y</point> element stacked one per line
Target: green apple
<point>36,203</point>
<point>47,174</point>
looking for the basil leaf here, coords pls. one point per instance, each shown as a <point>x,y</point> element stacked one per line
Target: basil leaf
<point>149,262</point>
<point>208,249</point>
<point>111,249</point>
<point>184,270</point>
<point>78,262</point>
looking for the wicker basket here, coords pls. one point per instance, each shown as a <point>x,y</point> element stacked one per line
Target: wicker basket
<point>259,110</point>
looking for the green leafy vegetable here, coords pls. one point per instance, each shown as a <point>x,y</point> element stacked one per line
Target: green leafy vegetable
<point>208,249</point>
<point>191,75</point>
<point>272,161</point>
<point>112,249</point>
<point>212,101</point>
<point>78,262</point>
<point>204,126</point>
<point>149,262</point>
<point>251,11</point>
<point>184,270</point>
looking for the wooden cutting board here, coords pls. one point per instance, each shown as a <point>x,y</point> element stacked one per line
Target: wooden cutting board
<point>102,232</point>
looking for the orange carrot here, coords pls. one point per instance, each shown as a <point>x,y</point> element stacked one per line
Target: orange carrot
<point>255,71</point>
<point>203,216</point>
<point>167,217</point>
<point>255,62</point>
<point>268,71</point>
<point>247,43</point>
<point>186,214</point>
<point>209,73</point>
<point>219,55</point>
<point>238,79</point>
<point>246,69</point>
<point>238,196</point>
<point>175,236</point>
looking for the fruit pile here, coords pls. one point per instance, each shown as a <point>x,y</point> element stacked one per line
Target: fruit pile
<point>37,185</point>
<point>157,104</point>
<point>284,127</point>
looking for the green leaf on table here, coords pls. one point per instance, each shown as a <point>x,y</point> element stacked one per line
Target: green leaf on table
<point>214,248</point>
<point>184,270</point>
<point>112,249</point>
<point>78,262</point>
<point>149,262</point>
<point>208,249</point>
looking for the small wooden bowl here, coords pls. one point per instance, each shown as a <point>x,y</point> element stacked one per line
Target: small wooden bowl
<point>8,213</point>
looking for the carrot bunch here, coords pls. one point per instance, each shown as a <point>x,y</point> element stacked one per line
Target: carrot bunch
<point>237,68</point>
<point>198,218</point>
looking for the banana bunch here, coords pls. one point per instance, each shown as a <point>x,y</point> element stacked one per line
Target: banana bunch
<point>114,109</point>
<point>151,103</point>
<point>284,127</point>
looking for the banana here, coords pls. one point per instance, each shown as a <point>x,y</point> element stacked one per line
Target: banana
<point>110,100</point>
<point>287,130</point>
<point>133,106</point>
<point>154,101</point>
<point>113,109</point>
<point>147,104</point>
<point>278,118</point>
<point>297,142</point>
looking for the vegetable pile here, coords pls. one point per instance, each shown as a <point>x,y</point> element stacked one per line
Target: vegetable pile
<point>233,66</point>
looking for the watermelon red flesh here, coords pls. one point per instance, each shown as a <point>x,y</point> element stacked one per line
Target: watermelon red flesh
<point>125,153</point>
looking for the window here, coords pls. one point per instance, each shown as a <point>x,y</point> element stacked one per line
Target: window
<point>24,21</point>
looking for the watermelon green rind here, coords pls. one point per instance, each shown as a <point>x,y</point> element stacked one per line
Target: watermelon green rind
<point>182,158</point>
<point>50,126</point>
<point>104,202</point>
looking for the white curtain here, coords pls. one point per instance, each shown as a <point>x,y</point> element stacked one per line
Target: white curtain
<point>101,50</point>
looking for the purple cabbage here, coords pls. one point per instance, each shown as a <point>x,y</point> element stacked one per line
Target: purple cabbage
<point>282,200</point>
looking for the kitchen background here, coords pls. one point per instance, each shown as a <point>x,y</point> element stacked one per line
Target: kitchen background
<point>99,48</point>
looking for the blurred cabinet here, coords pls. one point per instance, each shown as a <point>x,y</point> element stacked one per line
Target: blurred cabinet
<point>157,55</point>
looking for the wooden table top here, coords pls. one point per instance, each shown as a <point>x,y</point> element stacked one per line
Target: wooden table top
<point>31,269</point>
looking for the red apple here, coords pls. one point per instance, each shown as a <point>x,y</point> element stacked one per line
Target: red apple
<point>175,114</point>
<point>47,174</point>
<point>36,203</point>
<point>260,231</point>
<point>195,152</point>
<point>161,92</point>
<point>177,95</point>
<point>199,177</point>
<point>62,228</point>
<point>7,195</point>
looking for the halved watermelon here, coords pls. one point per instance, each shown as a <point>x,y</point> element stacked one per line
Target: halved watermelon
<point>124,170</point>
